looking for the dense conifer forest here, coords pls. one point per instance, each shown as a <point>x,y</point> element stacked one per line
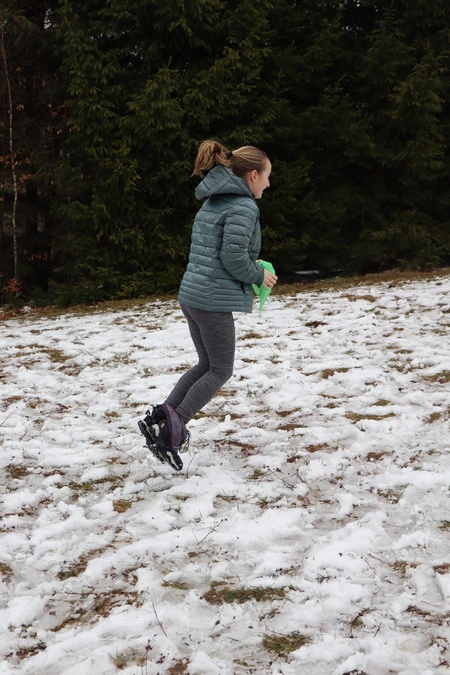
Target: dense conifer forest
<point>103,105</point>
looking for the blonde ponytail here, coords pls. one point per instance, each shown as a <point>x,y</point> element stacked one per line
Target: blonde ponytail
<point>209,154</point>
<point>241,161</point>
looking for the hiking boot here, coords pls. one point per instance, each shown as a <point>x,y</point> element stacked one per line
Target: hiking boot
<point>150,433</point>
<point>165,434</point>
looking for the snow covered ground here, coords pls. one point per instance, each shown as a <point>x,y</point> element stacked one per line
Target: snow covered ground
<point>309,531</point>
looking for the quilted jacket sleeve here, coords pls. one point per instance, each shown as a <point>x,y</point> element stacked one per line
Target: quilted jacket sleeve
<point>241,243</point>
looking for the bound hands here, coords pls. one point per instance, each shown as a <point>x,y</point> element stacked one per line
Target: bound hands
<point>269,279</point>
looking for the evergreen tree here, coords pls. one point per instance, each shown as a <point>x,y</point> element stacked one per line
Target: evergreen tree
<point>146,83</point>
<point>362,134</point>
<point>321,140</point>
<point>406,92</point>
<point>350,99</point>
<point>29,139</point>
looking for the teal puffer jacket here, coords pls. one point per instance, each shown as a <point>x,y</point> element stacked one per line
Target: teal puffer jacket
<point>225,243</point>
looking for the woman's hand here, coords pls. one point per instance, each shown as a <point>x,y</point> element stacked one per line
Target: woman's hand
<point>269,279</point>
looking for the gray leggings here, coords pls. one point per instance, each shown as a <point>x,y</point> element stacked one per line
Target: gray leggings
<point>214,339</point>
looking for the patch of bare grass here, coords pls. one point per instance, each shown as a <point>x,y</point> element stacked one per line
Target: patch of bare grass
<point>25,652</point>
<point>418,611</point>
<point>219,594</point>
<point>329,372</point>
<point>246,448</point>
<point>122,505</point>
<point>5,570</point>
<point>318,447</point>
<point>390,495</point>
<point>265,502</point>
<point>315,324</point>
<point>442,378</point>
<point>282,645</point>
<point>81,489</point>
<point>229,499</point>
<point>252,335</point>
<point>177,585</point>
<point>375,456</point>
<point>90,606</point>
<point>285,413</point>
<point>18,471</point>
<point>178,668</point>
<point>402,566</point>
<point>10,400</point>
<point>358,417</point>
<point>443,568</point>
<point>356,298</point>
<point>437,416</point>
<point>290,426</point>
<point>256,474</point>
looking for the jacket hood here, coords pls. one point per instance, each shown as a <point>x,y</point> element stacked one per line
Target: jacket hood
<point>222,181</point>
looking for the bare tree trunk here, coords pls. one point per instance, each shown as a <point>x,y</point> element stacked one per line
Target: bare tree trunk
<point>11,143</point>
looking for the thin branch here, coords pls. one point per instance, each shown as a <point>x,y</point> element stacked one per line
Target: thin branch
<point>11,140</point>
<point>157,618</point>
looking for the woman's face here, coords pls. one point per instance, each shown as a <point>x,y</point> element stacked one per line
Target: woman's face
<point>258,182</point>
